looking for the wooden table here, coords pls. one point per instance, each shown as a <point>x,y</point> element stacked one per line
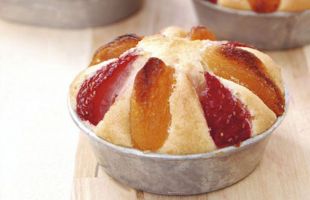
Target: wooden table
<point>38,142</point>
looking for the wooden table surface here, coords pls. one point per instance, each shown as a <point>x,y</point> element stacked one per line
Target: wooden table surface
<point>42,154</point>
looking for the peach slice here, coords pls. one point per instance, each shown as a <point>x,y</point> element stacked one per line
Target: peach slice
<point>150,111</point>
<point>115,48</point>
<point>264,6</point>
<point>245,69</point>
<point>201,33</point>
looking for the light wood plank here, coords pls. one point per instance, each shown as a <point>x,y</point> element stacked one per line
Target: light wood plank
<point>154,16</point>
<point>85,163</point>
<point>148,196</point>
<point>99,189</point>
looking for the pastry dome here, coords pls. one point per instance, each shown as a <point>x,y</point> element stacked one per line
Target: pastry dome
<point>178,92</point>
<point>266,6</point>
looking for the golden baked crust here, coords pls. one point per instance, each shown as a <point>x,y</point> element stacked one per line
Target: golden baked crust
<point>176,52</point>
<point>294,5</point>
<point>189,132</point>
<point>174,31</point>
<point>115,126</point>
<point>236,4</point>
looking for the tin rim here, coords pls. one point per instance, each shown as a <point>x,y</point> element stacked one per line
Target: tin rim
<point>216,153</point>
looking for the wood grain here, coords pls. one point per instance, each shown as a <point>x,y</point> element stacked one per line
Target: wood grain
<point>284,172</point>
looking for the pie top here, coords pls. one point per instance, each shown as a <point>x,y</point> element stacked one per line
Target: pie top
<point>178,92</point>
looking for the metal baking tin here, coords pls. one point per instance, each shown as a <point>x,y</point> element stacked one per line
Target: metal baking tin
<point>178,174</point>
<point>278,30</point>
<point>67,13</point>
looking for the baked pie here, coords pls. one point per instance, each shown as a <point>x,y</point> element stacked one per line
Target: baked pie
<point>178,92</point>
<point>265,6</point>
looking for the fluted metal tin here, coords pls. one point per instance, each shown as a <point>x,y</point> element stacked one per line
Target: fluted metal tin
<point>67,13</point>
<point>177,174</point>
<point>278,30</point>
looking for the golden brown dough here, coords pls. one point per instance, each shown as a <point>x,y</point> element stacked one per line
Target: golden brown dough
<point>236,4</point>
<point>294,5</point>
<point>189,132</point>
<point>115,126</point>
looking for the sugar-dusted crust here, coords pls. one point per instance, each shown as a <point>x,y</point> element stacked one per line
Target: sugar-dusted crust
<point>174,31</point>
<point>236,4</point>
<point>189,132</point>
<point>262,116</point>
<point>180,53</point>
<point>115,126</point>
<point>294,5</point>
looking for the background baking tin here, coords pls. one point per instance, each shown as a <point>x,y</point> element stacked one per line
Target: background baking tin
<point>278,30</point>
<point>67,13</point>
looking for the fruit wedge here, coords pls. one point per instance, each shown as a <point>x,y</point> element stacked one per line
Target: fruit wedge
<point>98,93</point>
<point>264,6</point>
<point>245,69</point>
<point>115,48</point>
<point>150,112</point>
<point>201,33</point>
<point>228,119</point>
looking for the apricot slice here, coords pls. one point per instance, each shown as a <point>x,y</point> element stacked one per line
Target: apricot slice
<point>264,6</point>
<point>228,119</point>
<point>115,48</point>
<point>245,69</point>
<point>150,111</point>
<point>98,93</point>
<point>201,33</point>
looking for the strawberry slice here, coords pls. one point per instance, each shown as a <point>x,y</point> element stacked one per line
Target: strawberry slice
<point>246,69</point>
<point>228,119</point>
<point>98,93</point>
<point>264,6</point>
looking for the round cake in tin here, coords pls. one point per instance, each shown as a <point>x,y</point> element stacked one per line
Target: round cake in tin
<point>178,113</point>
<point>178,92</point>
